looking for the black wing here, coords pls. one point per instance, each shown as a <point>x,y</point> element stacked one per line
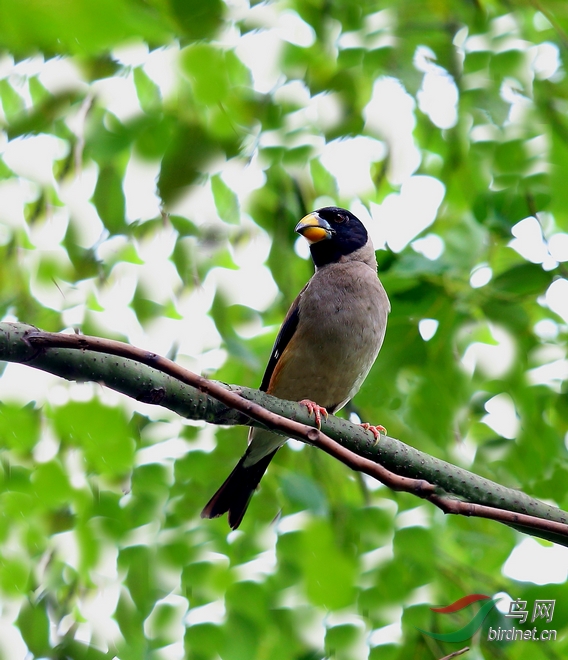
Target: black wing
<point>286,333</point>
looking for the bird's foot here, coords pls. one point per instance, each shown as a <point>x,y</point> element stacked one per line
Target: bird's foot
<point>375,430</point>
<point>314,409</point>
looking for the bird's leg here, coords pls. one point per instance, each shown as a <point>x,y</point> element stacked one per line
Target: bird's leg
<point>375,430</point>
<point>314,409</point>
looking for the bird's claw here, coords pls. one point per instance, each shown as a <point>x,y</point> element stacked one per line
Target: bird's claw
<point>314,409</point>
<point>375,430</point>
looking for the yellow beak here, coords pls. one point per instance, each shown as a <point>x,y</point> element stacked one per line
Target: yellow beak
<point>314,228</point>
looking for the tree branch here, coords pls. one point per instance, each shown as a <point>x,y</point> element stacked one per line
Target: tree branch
<point>153,379</point>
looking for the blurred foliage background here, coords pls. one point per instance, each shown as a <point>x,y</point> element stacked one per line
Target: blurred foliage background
<point>155,157</point>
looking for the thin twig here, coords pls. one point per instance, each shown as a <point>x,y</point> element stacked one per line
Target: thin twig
<point>455,653</point>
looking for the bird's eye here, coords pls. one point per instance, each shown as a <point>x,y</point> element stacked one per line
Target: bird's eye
<point>339,218</point>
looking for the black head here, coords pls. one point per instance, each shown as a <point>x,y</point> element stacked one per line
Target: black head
<point>332,233</point>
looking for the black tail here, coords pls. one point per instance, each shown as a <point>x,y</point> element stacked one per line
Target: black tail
<point>234,495</point>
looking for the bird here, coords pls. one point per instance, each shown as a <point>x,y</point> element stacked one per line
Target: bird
<point>325,348</point>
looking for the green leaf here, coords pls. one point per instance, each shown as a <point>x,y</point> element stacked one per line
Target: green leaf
<point>511,156</point>
<point>507,63</point>
<point>206,68</point>
<point>109,200</point>
<point>145,309</point>
<point>78,27</point>
<point>205,639</point>
<point>14,575</point>
<point>482,333</point>
<point>183,226</point>
<point>5,171</point>
<point>148,92</point>
<point>129,255</point>
<point>328,572</point>
<point>522,280</point>
<point>559,189</point>
<point>38,92</point>
<point>19,427</point>
<point>198,20</point>
<point>189,151</point>
<point>324,181</point>
<point>33,623</point>
<point>226,202</point>
<point>305,492</point>
<point>100,431</point>
<point>341,639</point>
<point>51,484</point>
<point>137,561</point>
<point>12,102</point>
<point>238,72</point>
